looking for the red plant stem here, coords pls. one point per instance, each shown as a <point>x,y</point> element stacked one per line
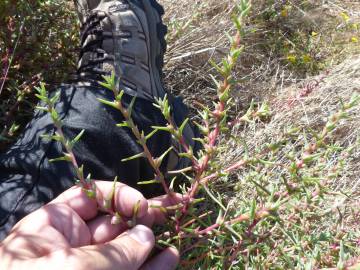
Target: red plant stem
<point>245,217</point>
<point>212,137</point>
<point>200,217</point>
<point>69,151</point>
<point>232,168</point>
<point>233,254</point>
<point>212,141</point>
<point>201,168</point>
<point>84,184</point>
<point>252,226</point>
<point>193,246</point>
<point>148,155</point>
<point>259,215</point>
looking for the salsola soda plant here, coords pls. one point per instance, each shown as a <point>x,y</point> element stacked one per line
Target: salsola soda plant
<point>269,209</point>
<point>86,183</point>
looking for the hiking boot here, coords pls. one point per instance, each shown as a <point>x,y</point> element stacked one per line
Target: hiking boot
<point>126,37</point>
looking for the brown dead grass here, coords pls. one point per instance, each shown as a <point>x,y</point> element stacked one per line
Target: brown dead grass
<point>308,105</point>
<point>262,74</point>
<point>263,70</point>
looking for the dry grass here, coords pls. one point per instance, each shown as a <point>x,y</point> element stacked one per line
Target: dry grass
<point>197,34</point>
<point>308,106</point>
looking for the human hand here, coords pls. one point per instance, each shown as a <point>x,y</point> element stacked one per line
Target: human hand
<point>68,233</point>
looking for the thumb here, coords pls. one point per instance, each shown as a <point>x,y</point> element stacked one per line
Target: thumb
<point>128,251</point>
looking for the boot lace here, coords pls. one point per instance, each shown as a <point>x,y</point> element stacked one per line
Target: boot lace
<point>92,54</point>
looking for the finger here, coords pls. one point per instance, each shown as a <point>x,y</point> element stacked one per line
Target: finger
<point>76,199</point>
<point>128,251</point>
<point>102,231</point>
<point>125,199</point>
<point>155,213</point>
<point>166,260</point>
<point>66,221</point>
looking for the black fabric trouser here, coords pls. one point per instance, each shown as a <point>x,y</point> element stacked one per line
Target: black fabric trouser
<point>28,180</point>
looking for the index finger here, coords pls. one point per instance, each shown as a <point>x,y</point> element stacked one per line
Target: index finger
<point>125,200</point>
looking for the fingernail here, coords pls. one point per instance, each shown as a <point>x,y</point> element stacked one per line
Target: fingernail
<point>142,234</point>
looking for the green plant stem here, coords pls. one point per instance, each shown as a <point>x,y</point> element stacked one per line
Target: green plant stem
<point>142,141</point>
